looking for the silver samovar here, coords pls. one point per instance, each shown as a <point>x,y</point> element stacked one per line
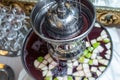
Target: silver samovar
<point>64,25</point>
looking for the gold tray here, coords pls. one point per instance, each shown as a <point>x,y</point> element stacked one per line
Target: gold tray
<point>108,16</point>
<point>26,5</point>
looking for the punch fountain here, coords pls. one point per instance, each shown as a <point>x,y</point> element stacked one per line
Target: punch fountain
<point>65,42</point>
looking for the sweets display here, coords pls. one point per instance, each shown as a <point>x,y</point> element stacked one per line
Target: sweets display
<point>94,61</point>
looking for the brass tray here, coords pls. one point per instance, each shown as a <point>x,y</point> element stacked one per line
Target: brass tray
<point>26,5</point>
<point>108,16</point>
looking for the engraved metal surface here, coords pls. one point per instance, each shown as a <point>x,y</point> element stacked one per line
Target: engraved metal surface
<point>26,5</point>
<point>108,12</point>
<point>108,16</point>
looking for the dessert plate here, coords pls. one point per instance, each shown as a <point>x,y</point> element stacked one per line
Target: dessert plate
<point>95,59</point>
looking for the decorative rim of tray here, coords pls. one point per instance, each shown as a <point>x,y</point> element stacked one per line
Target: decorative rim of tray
<point>108,16</point>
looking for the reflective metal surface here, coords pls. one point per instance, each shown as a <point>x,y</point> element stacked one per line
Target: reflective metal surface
<point>63,25</point>
<point>6,73</point>
<point>42,12</point>
<point>64,20</point>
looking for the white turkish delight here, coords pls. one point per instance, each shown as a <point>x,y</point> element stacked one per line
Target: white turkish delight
<point>93,41</point>
<point>87,70</point>
<point>79,67</point>
<point>93,69</point>
<point>49,59</point>
<point>85,66</point>
<point>100,49</point>
<point>97,25</point>
<point>95,62</point>
<point>51,66</point>
<point>44,73</point>
<point>69,71</point>
<point>104,36</point>
<point>106,62</point>
<point>96,51</point>
<point>103,33</point>
<point>99,38</point>
<point>44,68</point>
<point>91,78</point>
<point>49,73</point>
<point>108,45</point>
<point>36,63</point>
<point>102,68</point>
<point>107,56</point>
<point>108,52</point>
<point>78,78</point>
<point>99,57</point>
<point>75,63</point>
<point>94,55</point>
<point>88,44</point>
<point>70,65</point>
<point>76,74</point>
<point>47,56</point>
<point>45,62</point>
<point>81,73</point>
<point>54,63</point>
<point>88,74</point>
<point>98,73</point>
<point>41,66</point>
<point>103,61</point>
<point>86,60</point>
